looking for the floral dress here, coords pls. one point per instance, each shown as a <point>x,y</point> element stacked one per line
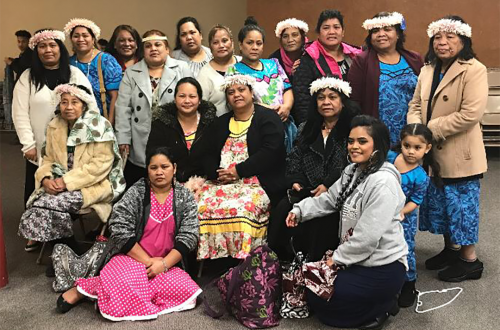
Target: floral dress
<point>233,217</point>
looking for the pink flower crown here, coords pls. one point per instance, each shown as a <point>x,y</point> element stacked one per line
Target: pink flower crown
<point>73,23</point>
<point>45,35</point>
<point>73,90</point>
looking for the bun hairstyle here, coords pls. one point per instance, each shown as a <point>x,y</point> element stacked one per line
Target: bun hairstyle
<point>250,25</point>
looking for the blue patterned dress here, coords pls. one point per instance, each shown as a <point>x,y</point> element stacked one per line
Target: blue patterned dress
<point>112,75</point>
<point>414,184</point>
<point>397,84</point>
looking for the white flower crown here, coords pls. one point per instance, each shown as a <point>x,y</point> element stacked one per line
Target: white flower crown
<point>449,25</point>
<point>238,79</point>
<point>332,83</point>
<point>291,22</point>
<point>394,18</point>
<point>45,35</point>
<point>73,90</point>
<point>73,23</point>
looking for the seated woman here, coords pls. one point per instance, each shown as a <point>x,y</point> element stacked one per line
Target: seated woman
<point>153,227</point>
<point>246,163</point>
<point>182,126</point>
<point>373,250</point>
<point>315,163</point>
<point>81,168</point>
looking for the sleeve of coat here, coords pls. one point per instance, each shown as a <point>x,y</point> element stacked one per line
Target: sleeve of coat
<point>294,169</point>
<point>473,104</point>
<point>272,137</point>
<point>156,136</point>
<point>94,171</point>
<point>414,115</point>
<point>302,80</point>
<point>45,169</point>
<point>123,111</point>
<point>21,112</point>
<point>186,239</point>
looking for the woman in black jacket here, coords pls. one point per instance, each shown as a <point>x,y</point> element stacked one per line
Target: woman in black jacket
<point>315,163</point>
<point>182,126</point>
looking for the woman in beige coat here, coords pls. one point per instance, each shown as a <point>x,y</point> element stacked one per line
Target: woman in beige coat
<point>81,168</point>
<point>450,99</point>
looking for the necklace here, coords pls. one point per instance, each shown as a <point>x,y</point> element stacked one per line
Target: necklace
<point>88,63</point>
<point>327,129</point>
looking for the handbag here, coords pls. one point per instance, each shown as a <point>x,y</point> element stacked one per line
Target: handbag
<point>69,266</point>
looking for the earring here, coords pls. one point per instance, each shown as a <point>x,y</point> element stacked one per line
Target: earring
<point>349,160</point>
<point>372,159</point>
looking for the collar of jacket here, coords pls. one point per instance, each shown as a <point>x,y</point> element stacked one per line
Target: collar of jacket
<point>456,68</point>
<point>167,113</point>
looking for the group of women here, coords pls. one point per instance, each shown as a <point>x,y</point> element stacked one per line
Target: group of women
<point>225,153</point>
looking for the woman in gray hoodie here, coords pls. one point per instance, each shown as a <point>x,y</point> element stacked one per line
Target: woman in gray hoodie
<point>373,249</point>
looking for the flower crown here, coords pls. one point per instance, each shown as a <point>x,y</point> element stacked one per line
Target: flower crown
<point>449,25</point>
<point>238,79</point>
<point>332,83</point>
<point>73,23</point>
<point>291,22</point>
<point>73,90</point>
<point>394,18</point>
<point>45,35</point>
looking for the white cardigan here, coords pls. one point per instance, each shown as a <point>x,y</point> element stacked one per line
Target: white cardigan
<point>32,110</point>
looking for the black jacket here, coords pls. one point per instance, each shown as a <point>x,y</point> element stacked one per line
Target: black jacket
<point>22,63</point>
<point>167,132</point>
<point>266,150</point>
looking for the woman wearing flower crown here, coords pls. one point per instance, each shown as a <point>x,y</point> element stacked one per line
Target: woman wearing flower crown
<point>383,77</point>
<point>450,99</point>
<point>101,68</point>
<point>315,163</point>
<point>35,90</point>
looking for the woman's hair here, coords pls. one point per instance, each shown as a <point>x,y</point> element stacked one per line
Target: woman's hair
<point>217,28</point>
<point>401,34</point>
<point>110,48</point>
<point>429,161</point>
<point>250,25</point>
<point>159,151</point>
<point>466,53</point>
<point>312,127</point>
<point>153,33</point>
<point>192,81</point>
<point>329,14</point>
<point>37,72</point>
<point>85,105</point>
<point>181,22</point>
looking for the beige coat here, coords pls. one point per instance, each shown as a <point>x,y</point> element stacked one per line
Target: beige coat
<point>91,166</point>
<point>457,107</point>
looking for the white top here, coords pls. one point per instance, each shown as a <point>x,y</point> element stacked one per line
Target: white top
<point>210,81</point>
<point>195,67</point>
<point>32,110</point>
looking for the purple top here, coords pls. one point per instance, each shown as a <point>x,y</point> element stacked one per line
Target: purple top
<point>159,235</point>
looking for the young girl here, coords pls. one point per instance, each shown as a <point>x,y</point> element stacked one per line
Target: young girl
<point>415,148</point>
<point>370,199</point>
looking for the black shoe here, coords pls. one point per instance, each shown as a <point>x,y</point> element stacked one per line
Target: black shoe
<point>33,246</point>
<point>63,306</point>
<point>443,259</point>
<point>408,294</point>
<point>49,271</point>
<point>376,324</point>
<point>462,270</point>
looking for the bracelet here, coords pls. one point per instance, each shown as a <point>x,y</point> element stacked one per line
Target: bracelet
<point>165,267</point>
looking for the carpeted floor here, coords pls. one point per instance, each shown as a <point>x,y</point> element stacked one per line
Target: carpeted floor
<point>28,301</point>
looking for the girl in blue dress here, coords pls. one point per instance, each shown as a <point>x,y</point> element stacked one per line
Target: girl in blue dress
<point>411,156</point>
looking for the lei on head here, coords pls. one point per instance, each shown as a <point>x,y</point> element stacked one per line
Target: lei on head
<point>333,83</point>
<point>449,26</point>
<point>393,19</point>
<point>45,35</point>
<point>73,90</point>
<point>288,23</point>
<point>82,22</point>
<point>238,79</point>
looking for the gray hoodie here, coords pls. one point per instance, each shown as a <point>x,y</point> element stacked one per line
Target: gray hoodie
<point>372,211</point>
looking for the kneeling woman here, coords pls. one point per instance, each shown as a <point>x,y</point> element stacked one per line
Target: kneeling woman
<point>152,228</point>
<point>81,168</point>
<point>373,250</point>
<point>246,165</point>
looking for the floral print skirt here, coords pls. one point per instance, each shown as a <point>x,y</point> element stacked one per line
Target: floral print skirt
<point>233,219</point>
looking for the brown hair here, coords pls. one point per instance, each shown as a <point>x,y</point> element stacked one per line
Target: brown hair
<point>216,28</point>
<point>155,33</point>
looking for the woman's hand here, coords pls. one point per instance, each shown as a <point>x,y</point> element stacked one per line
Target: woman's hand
<point>291,220</point>
<point>124,149</point>
<point>284,112</point>
<point>31,154</point>
<point>295,66</point>
<point>51,187</point>
<point>319,190</point>
<point>156,267</point>
<point>297,187</point>
<point>330,262</point>
<point>228,175</point>
<point>61,184</point>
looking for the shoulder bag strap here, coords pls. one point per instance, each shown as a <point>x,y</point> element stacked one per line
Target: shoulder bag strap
<point>102,87</point>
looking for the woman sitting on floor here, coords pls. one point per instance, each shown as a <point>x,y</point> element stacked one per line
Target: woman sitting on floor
<point>246,164</point>
<point>81,168</point>
<point>153,227</point>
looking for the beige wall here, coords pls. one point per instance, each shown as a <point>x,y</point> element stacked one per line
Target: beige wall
<point>482,15</point>
<point>143,15</point>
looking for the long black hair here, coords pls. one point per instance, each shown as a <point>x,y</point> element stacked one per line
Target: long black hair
<point>466,53</point>
<point>251,25</point>
<point>312,127</point>
<point>110,48</point>
<point>429,161</point>
<point>37,71</point>
<point>399,30</point>
<point>181,22</point>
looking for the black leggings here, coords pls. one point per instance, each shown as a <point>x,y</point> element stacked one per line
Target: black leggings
<point>29,180</point>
